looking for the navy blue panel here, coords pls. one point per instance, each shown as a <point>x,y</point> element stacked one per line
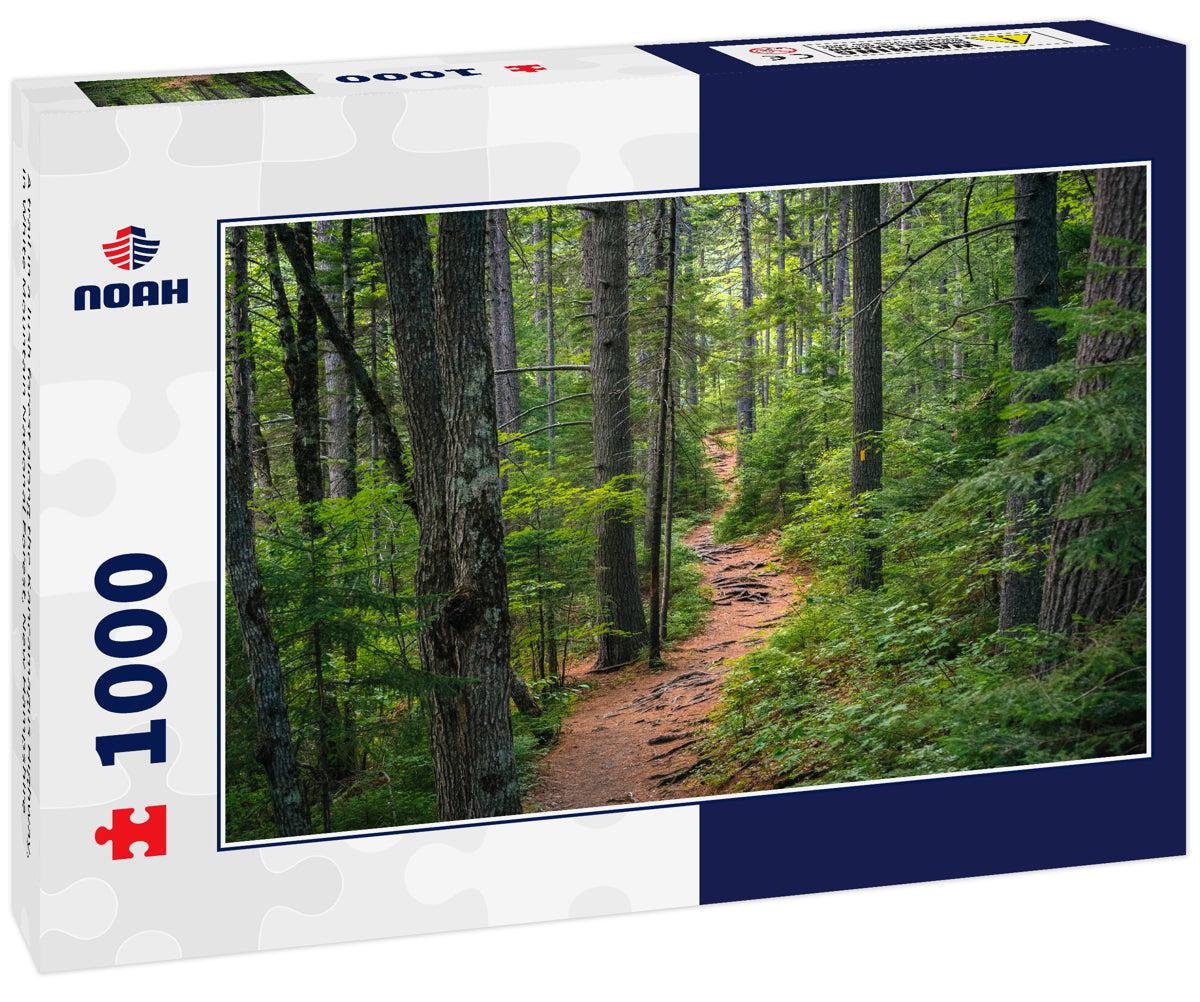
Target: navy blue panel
<point>974,114</point>
<point>961,826</point>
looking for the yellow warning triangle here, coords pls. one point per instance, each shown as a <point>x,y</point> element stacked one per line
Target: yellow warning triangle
<point>1015,39</point>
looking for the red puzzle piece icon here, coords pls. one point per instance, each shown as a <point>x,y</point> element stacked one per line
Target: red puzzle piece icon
<point>124,832</point>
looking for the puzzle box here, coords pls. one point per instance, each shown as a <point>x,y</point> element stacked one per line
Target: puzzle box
<point>125,494</point>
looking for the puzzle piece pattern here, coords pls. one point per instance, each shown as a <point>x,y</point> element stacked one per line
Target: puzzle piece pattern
<point>566,866</point>
<point>149,946</point>
<point>527,871</point>
<point>125,832</point>
<point>84,910</point>
<point>193,896</point>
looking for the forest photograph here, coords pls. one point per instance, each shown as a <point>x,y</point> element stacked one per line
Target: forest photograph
<point>585,505</point>
<point>191,87</point>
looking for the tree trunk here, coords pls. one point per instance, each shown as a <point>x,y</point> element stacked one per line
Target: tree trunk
<point>745,393</point>
<point>781,332</point>
<point>274,749</point>
<point>551,376</point>
<point>670,514</point>
<point>1034,346</point>
<point>343,483</point>
<point>866,461</point>
<point>474,763</point>
<point>393,449</point>
<point>242,361</point>
<point>446,374</point>
<point>539,270</point>
<point>606,269</point>
<point>299,343</point>
<point>691,392</point>
<point>503,323</point>
<point>342,414</point>
<point>656,493</point>
<point>1077,596</point>
<point>841,277</point>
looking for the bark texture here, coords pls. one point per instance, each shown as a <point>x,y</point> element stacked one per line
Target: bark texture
<point>606,267</point>
<point>297,337</point>
<point>1076,597</point>
<point>274,748</point>
<point>503,323</point>
<point>1034,346</point>
<point>446,375</point>
<point>658,471</point>
<point>866,461</point>
<point>342,413</point>
<point>242,367</point>
<point>841,277</point>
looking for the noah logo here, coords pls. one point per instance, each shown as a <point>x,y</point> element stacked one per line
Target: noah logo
<point>131,250</point>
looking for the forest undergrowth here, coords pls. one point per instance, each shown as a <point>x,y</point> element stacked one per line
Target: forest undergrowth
<point>915,677</point>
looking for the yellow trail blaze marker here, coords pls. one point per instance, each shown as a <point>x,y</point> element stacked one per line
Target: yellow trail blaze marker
<point>862,456</point>
<point>1014,39</point>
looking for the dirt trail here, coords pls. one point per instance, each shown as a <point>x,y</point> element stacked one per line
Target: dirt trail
<point>633,739</point>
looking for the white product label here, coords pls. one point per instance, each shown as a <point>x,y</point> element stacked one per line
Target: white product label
<point>952,43</point>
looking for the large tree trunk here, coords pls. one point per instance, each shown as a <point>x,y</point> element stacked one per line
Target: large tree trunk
<point>274,748</point>
<point>1034,346</point>
<point>445,370</point>
<point>606,269</point>
<point>866,461</point>
<point>1077,596</point>
<point>474,763</point>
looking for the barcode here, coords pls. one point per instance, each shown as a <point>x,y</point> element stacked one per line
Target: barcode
<point>885,48</point>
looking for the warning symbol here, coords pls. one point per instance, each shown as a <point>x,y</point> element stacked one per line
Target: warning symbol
<point>1014,39</point>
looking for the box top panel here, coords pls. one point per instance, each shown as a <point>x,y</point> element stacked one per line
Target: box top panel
<point>353,77</point>
<point>738,55</point>
<point>809,53</point>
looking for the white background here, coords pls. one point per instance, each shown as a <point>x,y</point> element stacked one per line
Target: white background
<point>1126,931</point>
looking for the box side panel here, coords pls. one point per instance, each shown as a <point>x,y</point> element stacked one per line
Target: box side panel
<point>1037,818</point>
<point>26,218</point>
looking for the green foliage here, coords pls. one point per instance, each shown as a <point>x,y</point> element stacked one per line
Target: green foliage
<point>914,678</point>
<point>854,690</point>
<point>775,470</point>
